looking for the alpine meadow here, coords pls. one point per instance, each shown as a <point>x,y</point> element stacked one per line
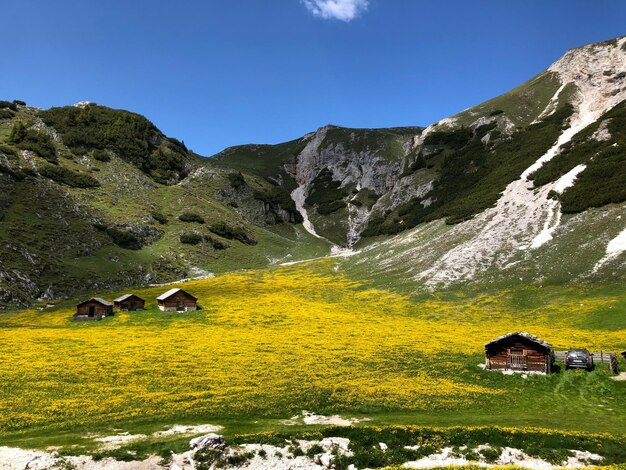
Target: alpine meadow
<point>403,297</point>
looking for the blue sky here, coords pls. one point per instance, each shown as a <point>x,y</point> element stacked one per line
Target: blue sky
<point>220,73</point>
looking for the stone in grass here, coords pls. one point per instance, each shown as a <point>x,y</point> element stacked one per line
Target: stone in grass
<point>208,441</point>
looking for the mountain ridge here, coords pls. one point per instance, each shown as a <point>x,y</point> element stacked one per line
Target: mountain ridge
<point>95,198</point>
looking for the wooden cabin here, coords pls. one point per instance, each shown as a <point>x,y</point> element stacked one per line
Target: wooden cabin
<point>177,300</point>
<point>129,302</point>
<point>93,309</point>
<point>519,352</point>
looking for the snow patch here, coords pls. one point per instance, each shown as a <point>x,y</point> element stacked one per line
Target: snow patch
<point>613,249</point>
<point>310,418</point>
<point>554,207</point>
<point>299,197</point>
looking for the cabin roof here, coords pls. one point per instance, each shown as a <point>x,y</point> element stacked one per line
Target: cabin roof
<point>522,334</point>
<point>99,300</point>
<point>126,296</point>
<point>173,291</point>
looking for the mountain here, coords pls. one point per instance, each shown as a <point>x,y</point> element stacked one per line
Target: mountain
<point>527,187</point>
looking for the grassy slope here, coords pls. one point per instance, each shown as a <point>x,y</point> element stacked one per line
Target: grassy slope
<point>49,235</point>
<point>268,344</point>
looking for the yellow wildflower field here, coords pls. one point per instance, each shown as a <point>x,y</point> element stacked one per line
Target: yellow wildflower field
<point>265,343</point>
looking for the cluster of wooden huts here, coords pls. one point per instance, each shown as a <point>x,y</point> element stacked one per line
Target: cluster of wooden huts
<point>96,308</point>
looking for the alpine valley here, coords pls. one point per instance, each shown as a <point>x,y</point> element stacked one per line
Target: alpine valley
<point>527,187</point>
<point>353,288</point>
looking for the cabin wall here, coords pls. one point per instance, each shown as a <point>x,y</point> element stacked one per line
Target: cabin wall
<point>130,304</point>
<point>100,310</point>
<point>178,302</point>
<point>536,358</point>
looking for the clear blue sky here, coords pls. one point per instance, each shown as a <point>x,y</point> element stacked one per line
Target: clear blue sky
<point>219,73</point>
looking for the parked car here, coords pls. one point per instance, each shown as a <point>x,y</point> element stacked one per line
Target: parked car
<point>578,359</point>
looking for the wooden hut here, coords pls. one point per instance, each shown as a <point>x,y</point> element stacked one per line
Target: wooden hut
<point>129,302</point>
<point>93,309</point>
<point>177,300</point>
<point>519,352</point>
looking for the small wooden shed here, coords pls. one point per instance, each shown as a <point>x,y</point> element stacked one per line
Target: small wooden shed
<point>93,309</point>
<point>129,302</point>
<point>519,351</point>
<point>177,300</point>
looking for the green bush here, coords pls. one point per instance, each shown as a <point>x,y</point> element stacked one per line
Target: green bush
<point>191,238</point>
<point>314,450</point>
<point>232,233</point>
<point>68,177</point>
<point>8,150</point>
<point>101,155</point>
<point>454,139</point>
<point>6,113</point>
<point>159,217</point>
<point>326,194</point>
<point>236,180</point>
<point>19,102</point>
<point>191,217</point>
<point>34,141</point>
<point>124,238</point>
<point>326,208</point>
<point>8,105</point>
<point>195,238</point>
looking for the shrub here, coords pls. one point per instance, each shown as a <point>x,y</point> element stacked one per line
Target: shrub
<point>191,217</point>
<point>101,155</point>
<point>68,177</point>
<point>34,141</point>
<point>236,180</point>
<point>314,450</point>
<point>124,238</point>
<point>455,139</point>
<point>215,243</point>
<point>232,233</point>
<point>19,102</point>
<point>8,105</point>
<point>8,150</point>
<point>191,238</point>
<point>195,238</point>
<point>296,450</point>
<point>326,208</point>
<point>159,217</point>
<point>205,458</point>
<point>326,193</point>
<point>6,113</point>
<point>18,132</point>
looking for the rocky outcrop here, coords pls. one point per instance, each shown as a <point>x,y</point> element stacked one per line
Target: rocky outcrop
<point>369,160</point>
<point>208,441</point>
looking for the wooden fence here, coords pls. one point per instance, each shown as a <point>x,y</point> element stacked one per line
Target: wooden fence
<point>598,357</point>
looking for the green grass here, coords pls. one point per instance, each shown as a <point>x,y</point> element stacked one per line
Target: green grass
<point>312,320</point>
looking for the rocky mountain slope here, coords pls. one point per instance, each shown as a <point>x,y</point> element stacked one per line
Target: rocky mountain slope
<point>528,186</point>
